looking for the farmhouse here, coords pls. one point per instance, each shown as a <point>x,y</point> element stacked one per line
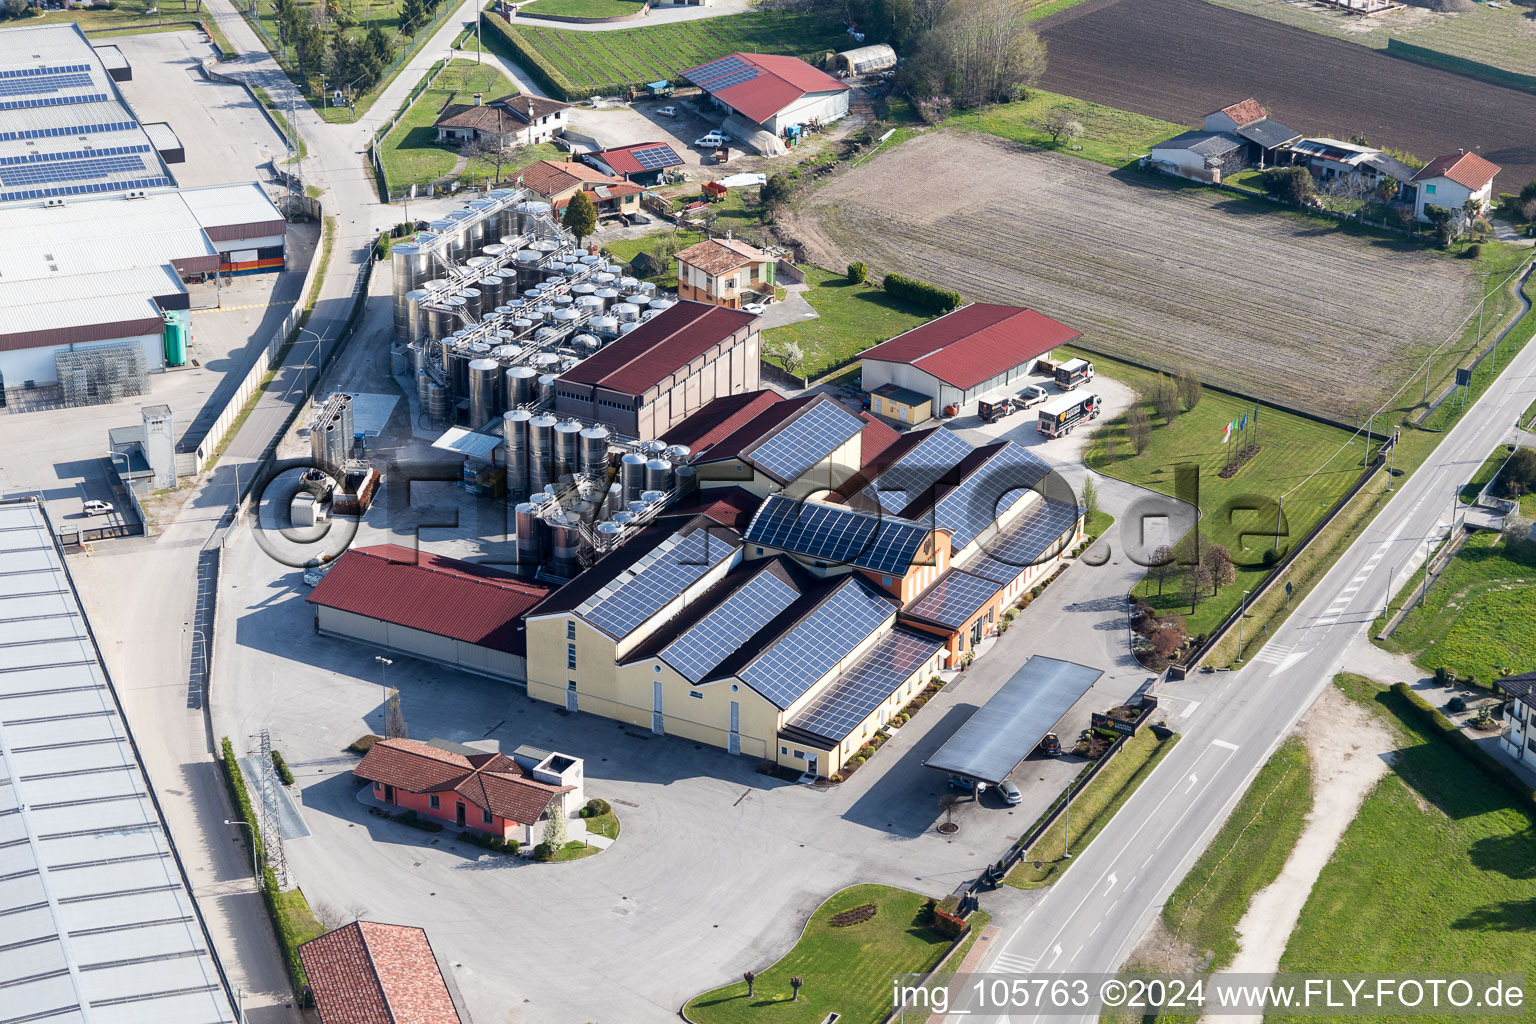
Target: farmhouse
<point>724,271</point>
<point>558,180</point>
<point>512,121</point>
<point>1331,160</point>
<point>1202,155</point>
<point>438,609</point>
<point>771,92</point>
<point>641,162</point>
<point>1449,182</point>
<point>964,354</point>
<point>1519,739</point>
<point>372,973</point>
<point>1267,138</point>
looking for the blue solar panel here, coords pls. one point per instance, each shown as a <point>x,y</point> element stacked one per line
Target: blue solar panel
<point>38,84</point>
<point>987,493</point>
<point>870,682</point>
<point>656,580</point>
<point>814,435</point>
<point>63,130</point>
<point>653,157</point>
<point>904,480</point>
<point>85,189</point>
<point>53,101</point>
<point>810,651</point>
<point>73,154</point>
<point>69,170</point>
<point>57,69</point>
<point>1026,542</point>
<point>837,535</point>
<point>954,598</point>
<point>728,626</point>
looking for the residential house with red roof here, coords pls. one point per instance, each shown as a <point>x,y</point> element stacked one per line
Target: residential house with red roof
<point>486,791</point>
<point>558,180</point>
<point>975,350</point>
<point>642,162</point>
<point>438,609</point>
<point>724,271</point>
<point>648,381</point>
<point>771,91</point>
<point>515,120</point>
<point>373,973</point>
<point>1267,138</point>
<point>1450,181</point>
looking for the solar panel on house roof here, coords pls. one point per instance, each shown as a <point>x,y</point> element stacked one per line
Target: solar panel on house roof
<point>954,598</point>
<point>653,157</point>
<point>728,626</point>
<point>814,647</point>
<point>867,684</point>
<point>722,74</point>
<point>805,442</point>
<point>836,534</point>
<point>1025,541</point>
<point>987,493</point>
<point>918,470</point>
<point>661,576</point>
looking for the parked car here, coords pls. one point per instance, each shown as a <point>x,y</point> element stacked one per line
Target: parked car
<point>1032,394</point>
<point>98,508</point>
<point>667,111</point>
<point>713,140</point>
<point>1009,792</point>
<point>313,577</point>
<point>755,308</point>
<point>959,782</point>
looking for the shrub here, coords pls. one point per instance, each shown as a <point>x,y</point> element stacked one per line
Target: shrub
<point>363,744</point>
<point>381,246</point>
<point>1470,748</point>
<point>544,852</point>
<point>283,771</point>
<point>1456,705</point>
<point>858,273</point>
<point>1474,251</point>
<point>835,777</point>
<point>585,812</point>
<point>921,293</point>
<point>597,806</point>
<point>1443,676</point>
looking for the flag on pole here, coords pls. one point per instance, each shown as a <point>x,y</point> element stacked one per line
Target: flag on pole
<point>1243,425</point>
<point>1227,436</point>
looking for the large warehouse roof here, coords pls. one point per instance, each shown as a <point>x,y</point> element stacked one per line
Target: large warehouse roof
<point>759,85</point>
<point>975,343</point>
<point>98,924</point>
<point>110,234</point>
<point>116,301</point>
<point>64,128</point>
<point>658,348</point>
<point>1006,728</point>
<point>233,211</point>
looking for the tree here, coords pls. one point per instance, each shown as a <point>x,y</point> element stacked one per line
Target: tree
<point>1061,126</point>
<point>977,52</point>
<point>1188,381</point>
<point>15,8</point>
<point>1443,221</point>
<point>1165,398</point>
<point>554,828</point>
<point>1166,639</point>
<point>580,217</point>
<point>1217,561</point>
<point>1161,568</point>
<point>858,272</point>
<point>1090,498</point>
<point>394,719</point>
<point>1528,191</point>
<point>1195,582</point>
<point>750,977</point>
<point>1518,476</point>
<point>776,191</point>
<point>947,805</point>
<point>1138,428</point>
<point>1293,184</point>
<point>789,354</point>
<point>795,984</point>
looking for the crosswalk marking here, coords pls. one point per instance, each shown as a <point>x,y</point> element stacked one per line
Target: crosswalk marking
<point>1272,654</point>
<point>1011,962</point>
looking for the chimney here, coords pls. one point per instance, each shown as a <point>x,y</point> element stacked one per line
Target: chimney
<point>727,234</point>
<point>479,98</point>
<point>1461,152</point>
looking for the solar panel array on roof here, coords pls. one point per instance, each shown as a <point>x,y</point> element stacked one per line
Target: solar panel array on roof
<point>728,626</point>
<point>867,684</point>
<point>721,74</point>
<point>988,492</point>
<point>73,129</point>
<point>811,650</point>
<point>70,154</point>
<point>836,534</point>
<point>918,470</point>
<point>953,598</point>
<point>53,101</point>
<point>33,85</point>
<point>36,173</point>
<point>1025,541</point>
<point>653,157</point>
<point>813,436</point>
<point>659,578</point>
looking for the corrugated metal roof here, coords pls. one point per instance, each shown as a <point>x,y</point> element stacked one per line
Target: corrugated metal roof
<point>102,234</point>
<point>759,85</point>
<point>222,205</point>
<point>639,360</point>
<point>51,303</point>
<point>975,343</point>
<point>98,924</point>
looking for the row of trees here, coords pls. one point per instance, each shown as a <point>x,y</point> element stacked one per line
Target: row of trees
<point>1195,582</point>
<point>971,52</point>
<point>343,58</point>
<point>1169,395</point>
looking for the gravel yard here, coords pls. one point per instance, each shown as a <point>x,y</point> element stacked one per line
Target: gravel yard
<point>1172,274</point>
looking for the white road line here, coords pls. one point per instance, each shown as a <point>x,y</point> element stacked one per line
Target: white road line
<point>1224,744</point>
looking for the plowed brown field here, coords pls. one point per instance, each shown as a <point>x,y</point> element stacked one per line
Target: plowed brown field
<point>1176,275</point>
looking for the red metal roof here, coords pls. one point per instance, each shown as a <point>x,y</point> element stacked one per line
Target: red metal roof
<point>731,506</point>
<point>770,421</point>
<point>975,343</point>
<point>664,344</point>
<point>779,82</point>
<point>444,596</point>
<point>875,439</point>
<point>1467,169</point>
<point>720,418</point>
<point>622,158</point>
<point>372,973</point>
<point>492,782</point>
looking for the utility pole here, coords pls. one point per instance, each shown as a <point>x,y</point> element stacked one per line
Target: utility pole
<point>1066,824</point>
<point>1387,605</point>
<point>1392,456</point>
<point>1241,615</point>
<point>1279,509</point>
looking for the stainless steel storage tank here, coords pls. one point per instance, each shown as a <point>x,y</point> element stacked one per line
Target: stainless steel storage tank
<point>484,376</point>
<point>530,552</point>
<point>658,475</point>
<point>632,475</point>
<point>437,402</point>
<point>594,450</point>
<point>472,298</point>
<point>685,481</point>
<point>514,431</point>
<point>522,385</point>
<point>541,451</point>
<point>567,448</point>
<point>547,388</point>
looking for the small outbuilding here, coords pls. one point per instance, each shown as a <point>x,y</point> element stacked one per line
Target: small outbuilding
<point>903,405</point>
<point>1201,155</point>
<point>867,60</point>
<point>373,973</point>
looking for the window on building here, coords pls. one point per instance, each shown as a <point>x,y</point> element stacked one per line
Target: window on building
<point>799,755</point>
<point>1430,189</point>
<point>696,693</point>
<point>485,817</point>
<point>570,684</point>
<point>434,802</point>
<point>783,750</point>
<point>885,581</point>
<point>570,629</point>
<point>570,657</point>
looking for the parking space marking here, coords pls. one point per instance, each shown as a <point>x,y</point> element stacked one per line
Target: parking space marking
<point>249,305</point>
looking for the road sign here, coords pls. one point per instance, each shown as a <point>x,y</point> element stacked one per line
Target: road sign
<point>1463,378</point>
<point>1105,722</point>
<point>1287,591</point>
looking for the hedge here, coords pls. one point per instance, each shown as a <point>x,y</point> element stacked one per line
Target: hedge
<point>921,293</point>
<point>548,76</point>
<point>283,771</point>
<point>1486,762</point>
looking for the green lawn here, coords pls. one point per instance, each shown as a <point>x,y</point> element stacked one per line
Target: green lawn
<point>1529,417</point>
<point>1110,136</point>
<point>627,249</point>
<point>1477,618</point>
<point>583,8</point>
<point>575,64</point>
<point>411,154</point>
<point>1291,448</point>
<point>604,824</point>
<point>1435,870</point>
<point>1246,855</point>
<point>1477,481</point>
<point>852,318</point>
<point>846,970</point>
<point>1092,809</point>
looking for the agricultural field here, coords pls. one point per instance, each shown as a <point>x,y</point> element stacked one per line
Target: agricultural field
<point>1287,309</point>
<point>1476,618</point>
<point>1435,869</point>
<point>1501,36</point>
<point>1155,57</point>
<point>576,64</point>
<point>852,318</point>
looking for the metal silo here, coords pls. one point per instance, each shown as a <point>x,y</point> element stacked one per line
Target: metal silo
<point>453,309</point>
<point>565,543</point>
<point>660,304</point>
<point>541,451</point>
<point>490,293</point>
<point>458,373</point>
<point>589,306</point>
<point>678,453</point>
<point>658,475</point>
<point>586,344</point>
<point>605,327</point>
<point>484,375</point>
<point>567,448</point>
<point>653,449</point>
<point>547,388</point>
<point>685,480</point>
<point>522,385</point>
<point>493,250</point>
<point>437,402</point>
<point>609,536</point>
<point>526,262</point>
<point>609,296</point>
<point>594,450</point>
<point>514,429</point>
<point>647,288</point>
<point>411,264</point>
<point>626,312</point>
<point>530,550</point>
<point>632,475</point>
<point>415,318</point>
<point>422,384</point>
<point>478,265</point>
<point>471,297</point>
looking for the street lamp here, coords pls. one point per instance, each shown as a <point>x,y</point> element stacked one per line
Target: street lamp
<point>1242,614</point>
<point>384,664</point>
<point>1066,824</point>
<point>255,871</point>
<point>318,339</point>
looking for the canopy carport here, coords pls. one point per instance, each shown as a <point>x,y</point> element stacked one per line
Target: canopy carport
<point>1006,728</point>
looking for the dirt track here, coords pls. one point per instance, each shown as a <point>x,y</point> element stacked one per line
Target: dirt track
<point>1180,59</point>
<point>1172,275</point>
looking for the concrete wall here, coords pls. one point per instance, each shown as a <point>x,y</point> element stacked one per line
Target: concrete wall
<point>427,646</point>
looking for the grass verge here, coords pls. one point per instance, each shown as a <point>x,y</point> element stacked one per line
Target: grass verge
<point>846,970</point>
<point>583,8</point>
<point>411,153</point>
<point>1092,809</point>
<point>1484,475</point>
<point>1110,136</point>
<point>1246,855</point>
<point>290,132</point>
<point>851,317</point>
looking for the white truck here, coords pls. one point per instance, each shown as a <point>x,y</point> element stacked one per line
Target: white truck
<point>1059,418</point>
<point>1072,373</point>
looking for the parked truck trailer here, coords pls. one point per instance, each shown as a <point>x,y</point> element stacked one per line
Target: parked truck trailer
<point>1060,418</point>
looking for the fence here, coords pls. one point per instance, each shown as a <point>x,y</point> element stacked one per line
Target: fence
<point>385,194</point>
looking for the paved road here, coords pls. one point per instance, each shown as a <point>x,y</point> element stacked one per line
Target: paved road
<point>1232,722</point>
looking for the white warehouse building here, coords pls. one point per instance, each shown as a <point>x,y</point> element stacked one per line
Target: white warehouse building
<point>770,91</point>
